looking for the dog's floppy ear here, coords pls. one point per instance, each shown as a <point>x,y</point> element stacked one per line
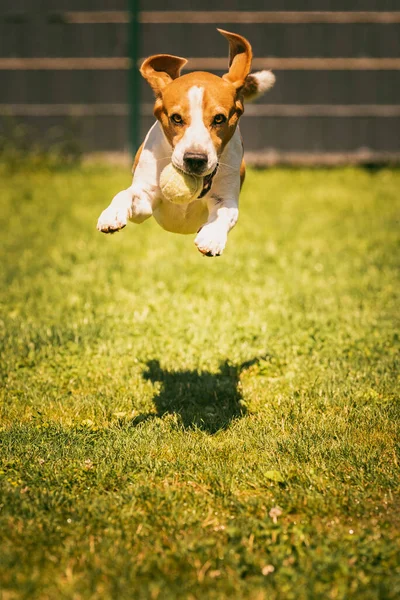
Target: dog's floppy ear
<point>159,70</point>
<point>240,55</point>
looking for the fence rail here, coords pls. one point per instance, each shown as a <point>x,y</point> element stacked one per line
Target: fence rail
<point>203,63</point>
<point>255,111</point>
<point>201,17</point>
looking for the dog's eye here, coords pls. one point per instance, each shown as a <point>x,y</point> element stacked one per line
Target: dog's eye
<point>177,119</point>
<point>219,119</point>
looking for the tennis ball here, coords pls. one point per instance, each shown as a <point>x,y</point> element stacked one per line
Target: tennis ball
<point>179,187</point>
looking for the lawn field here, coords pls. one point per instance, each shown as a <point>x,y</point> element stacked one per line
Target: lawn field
<point>181,427</point>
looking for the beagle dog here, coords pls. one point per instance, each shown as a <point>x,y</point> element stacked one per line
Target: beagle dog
<point>197,130</point>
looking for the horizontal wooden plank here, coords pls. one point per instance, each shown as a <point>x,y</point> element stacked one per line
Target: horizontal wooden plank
<point>41,39</point>
<point>65,87</point>
<point>94,16</point>
<point>318,64</point>
<point>44,6</point>
<point>273,40</point>
<point>68,64</point>
<point>322,110</point>
<point>59,110</point>
<point>321,134</point>
<point>205,63</point>
<point>275,134</point>
<point>202,5</point>
<point>239,16</point>
<point>111,87</point>
<point>326,159</point>
<point>260,110</point>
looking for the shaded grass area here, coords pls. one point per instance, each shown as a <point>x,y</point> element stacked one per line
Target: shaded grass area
<point>174,426</point>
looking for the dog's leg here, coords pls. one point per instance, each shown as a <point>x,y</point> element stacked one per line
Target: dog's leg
<point>223,200</point>
<point>131,204</point>
<point>223,215</point>
<point>137,202</point>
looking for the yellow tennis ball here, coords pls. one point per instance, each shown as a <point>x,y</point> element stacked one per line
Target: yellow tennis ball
<point>179,187</point>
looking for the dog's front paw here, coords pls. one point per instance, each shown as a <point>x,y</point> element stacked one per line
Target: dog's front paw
<point>112,220</point>
<point>115,216</point>
<point>211,240</point>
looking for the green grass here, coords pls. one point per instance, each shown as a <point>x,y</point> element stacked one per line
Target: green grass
<point>156,404</point>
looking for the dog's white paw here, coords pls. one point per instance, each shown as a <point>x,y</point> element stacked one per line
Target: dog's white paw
<point>115,216</point>
<point>211,240</point>
<point>112,219</point>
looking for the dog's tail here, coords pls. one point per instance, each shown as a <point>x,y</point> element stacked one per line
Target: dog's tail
<point>256,84</point>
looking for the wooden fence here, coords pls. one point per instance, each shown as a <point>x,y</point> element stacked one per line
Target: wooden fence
<point>65,64</point>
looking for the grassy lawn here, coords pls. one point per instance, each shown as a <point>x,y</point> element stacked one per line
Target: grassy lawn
<point>175,426</point>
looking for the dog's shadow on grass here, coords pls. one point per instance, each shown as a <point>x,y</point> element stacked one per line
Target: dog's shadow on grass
<point>203,400</point>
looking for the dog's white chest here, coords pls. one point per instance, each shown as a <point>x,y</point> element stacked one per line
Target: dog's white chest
<point>178,218</point>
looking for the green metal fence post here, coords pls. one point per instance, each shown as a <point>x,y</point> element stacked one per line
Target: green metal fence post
<point>134,75</point>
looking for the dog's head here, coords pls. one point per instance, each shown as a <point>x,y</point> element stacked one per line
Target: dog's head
<point>199,111</point>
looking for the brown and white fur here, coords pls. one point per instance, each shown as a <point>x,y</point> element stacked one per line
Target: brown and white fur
<point>197,130</point>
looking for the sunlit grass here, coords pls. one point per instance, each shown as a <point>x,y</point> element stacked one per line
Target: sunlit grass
<point>157,404</point>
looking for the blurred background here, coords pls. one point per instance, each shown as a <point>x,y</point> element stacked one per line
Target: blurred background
<point>69,74</point>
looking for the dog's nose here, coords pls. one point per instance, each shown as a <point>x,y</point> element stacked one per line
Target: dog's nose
<point>195,162</point>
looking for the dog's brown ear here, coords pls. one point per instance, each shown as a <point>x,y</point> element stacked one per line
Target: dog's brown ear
<point>159,70</point>
<point>240,55</point>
